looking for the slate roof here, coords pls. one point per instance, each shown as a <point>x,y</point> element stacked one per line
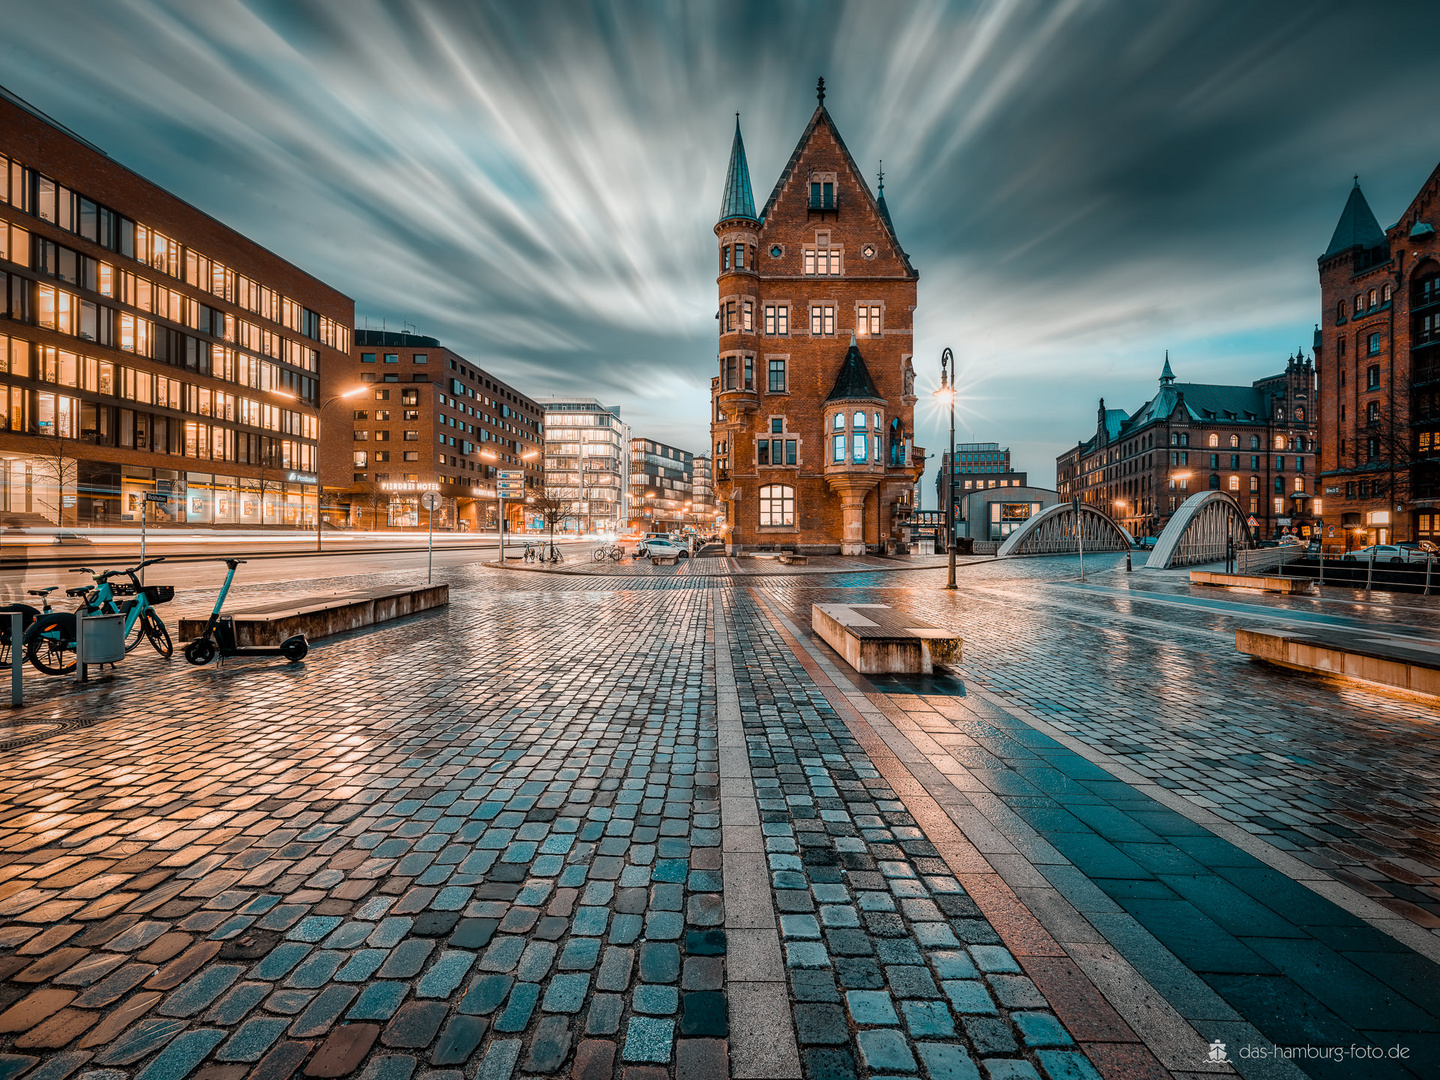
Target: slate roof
<point>1357,226</point>
<point>739,201</point>
<point>1236,404</point>
<point>854,383</point>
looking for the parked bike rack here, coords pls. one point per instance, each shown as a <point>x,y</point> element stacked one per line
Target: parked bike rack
<point>17,658</point>
<point>99,639</point>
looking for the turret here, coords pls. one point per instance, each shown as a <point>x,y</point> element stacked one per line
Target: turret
<point>738,231</point>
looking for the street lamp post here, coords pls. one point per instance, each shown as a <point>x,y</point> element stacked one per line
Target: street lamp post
<point>320,420</point>
<point>947,393</point>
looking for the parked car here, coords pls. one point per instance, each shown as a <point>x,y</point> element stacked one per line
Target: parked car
<point>662,546</point>
<point>1289,540</point>
<point>1420,550</point>
<point>1388,553</point>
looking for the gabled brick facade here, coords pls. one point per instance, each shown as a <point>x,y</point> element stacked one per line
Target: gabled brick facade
<point>1378,355</point>
<point>815,279</point>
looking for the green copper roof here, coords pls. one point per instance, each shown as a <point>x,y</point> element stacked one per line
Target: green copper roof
<point>739,199</point>
<point>1167,376</point>
<point>854,383</point>
<point>1357,226</point>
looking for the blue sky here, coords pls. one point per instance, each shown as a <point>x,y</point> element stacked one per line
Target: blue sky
<point>1081,185</point>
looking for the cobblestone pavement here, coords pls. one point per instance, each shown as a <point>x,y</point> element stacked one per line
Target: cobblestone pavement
<point>490,840</point>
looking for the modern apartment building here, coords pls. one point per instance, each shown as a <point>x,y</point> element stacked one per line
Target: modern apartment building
<point>977,467</point>
<point>661,486</point>
<point>587,463</point>
<point>1379,362</point>
<point>147,348</point>
<point>420,417</point>
<point>702,491</point>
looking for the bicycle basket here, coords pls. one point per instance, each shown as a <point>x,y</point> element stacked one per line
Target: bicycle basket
<point>121,588</point>
<point>159,594</point>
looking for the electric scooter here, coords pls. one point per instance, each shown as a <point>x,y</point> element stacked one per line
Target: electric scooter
<point>218,637</point>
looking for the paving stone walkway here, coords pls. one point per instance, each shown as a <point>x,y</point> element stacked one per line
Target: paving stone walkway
<point>639,829</point>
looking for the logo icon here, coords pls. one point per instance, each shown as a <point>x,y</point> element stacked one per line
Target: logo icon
<point>1217,1051</point>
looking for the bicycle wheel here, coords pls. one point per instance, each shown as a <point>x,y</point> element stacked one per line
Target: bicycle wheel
<point>158,635</point>
<point>52,649</point>
<point>136,633</point>
<point>599,554</point>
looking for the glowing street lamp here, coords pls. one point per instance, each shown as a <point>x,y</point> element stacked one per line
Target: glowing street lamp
<point>320,418</point>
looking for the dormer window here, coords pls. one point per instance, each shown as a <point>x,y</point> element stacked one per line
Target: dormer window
<point>822,191</point>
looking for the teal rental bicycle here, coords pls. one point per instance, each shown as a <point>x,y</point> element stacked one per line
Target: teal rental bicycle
<point>50,640</point>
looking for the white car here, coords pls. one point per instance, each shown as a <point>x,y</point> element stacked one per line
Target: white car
<point>1386,553</point>
<point>663,547</point>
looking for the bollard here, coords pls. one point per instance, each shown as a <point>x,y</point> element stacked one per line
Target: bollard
<point>1429,561</point>
<point>1369,573</point>
<point>1127,562</point>
<point>17,692</point>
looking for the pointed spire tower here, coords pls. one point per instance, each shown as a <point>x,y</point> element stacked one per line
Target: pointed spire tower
<point>1357,227</point>
<point>1167,377</point>
<point>739,200</point>
<point>880,200</point>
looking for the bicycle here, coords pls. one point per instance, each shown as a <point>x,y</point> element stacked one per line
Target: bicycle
<point>614,552</point>
<point>28,612</point>
<point>530,553</point>
<point>552,556</point>
<point>50,641</point>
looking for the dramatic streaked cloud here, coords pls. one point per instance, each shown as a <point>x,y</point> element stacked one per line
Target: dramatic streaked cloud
<point>1082,185</point>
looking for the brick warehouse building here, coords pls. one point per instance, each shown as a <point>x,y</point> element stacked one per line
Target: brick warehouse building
<point>1255,442</point>
<point>1379,360</point>
<point>425,419</point>
<point>812,419</point>
<point>146,347</point>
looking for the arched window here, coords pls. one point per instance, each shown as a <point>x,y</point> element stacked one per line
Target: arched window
<point>1234,442</point>
<point>1234,483</point>
<point>777,504</point>
<point>1300,484</point>
<point>1254,442</point>
<point>1214,439</point>
<point>1340,311</point>
<point>1372,298</point>
<point>1279,442</point>
<point>859,421</point>
<point>1389,292</point>
<point>1254,483</point>
<point>839,424</point>
<point>1359,305</point>
<point>1372,412</point>
<point>1214,482</point>
<point>897,443</point>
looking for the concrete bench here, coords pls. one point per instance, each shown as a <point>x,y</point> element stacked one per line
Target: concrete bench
<point>794,560</point>
<point>1264,582</point>
<point>664,560</point>
<point>1402,663</point>
<point>324,616</point>
<point>875,639</point>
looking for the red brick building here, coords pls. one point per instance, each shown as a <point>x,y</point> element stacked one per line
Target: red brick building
<point>812,419</point>
<point>1378,355</point>
<point>147,348</point>
<point>418,417</point>
<point>1255,442</point>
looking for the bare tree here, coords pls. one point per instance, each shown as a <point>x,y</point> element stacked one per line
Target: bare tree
<point>554,504</point>
<point>57,463</point>
<point>367,493</point>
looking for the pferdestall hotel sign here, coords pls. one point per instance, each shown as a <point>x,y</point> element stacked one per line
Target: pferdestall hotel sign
<point>409,485</point>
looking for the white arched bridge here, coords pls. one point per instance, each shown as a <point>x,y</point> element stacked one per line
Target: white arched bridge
<point>1053,531</point>
<point>1200,532</point>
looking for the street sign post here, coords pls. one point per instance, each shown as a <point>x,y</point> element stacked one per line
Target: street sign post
<point>155,497</point>
<point>1079,543</point>
<point>430,500</point>
<point>509,484</point>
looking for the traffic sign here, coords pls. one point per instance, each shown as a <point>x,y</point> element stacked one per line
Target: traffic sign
<point>430,500</point>
<point>512,474</point>
<point>156,497</point>
<point>1252,522</point>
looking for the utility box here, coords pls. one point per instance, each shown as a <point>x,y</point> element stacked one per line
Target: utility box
<point>102,639</point>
